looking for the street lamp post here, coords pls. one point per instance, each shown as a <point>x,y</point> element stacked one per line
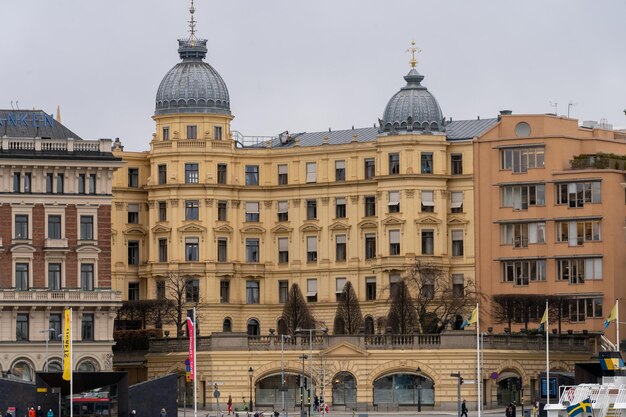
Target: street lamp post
<point>250,373</point>
<point>419,389</point>
<point>303,357</point>
<point>311,386</point>
<point>47,331</point>
<point>282,368</point>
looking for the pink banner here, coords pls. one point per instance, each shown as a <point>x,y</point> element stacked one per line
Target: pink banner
<point>192,342</point>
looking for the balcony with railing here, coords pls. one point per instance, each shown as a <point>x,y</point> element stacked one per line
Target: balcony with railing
<point>599,161</point>
<point>37,145</point>
<point>42,295</point>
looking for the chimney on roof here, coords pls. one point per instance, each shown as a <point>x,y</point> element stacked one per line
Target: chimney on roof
<point>506,112</point>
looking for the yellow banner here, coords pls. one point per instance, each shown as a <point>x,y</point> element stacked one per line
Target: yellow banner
<point>67,346</point>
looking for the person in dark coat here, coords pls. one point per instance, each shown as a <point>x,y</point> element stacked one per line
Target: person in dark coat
<point>463,409</point>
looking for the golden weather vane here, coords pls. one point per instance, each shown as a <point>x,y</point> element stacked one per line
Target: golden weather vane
<point>413,50</point>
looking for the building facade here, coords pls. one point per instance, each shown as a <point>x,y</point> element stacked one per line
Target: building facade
<point>550,212</point>
<point>55,243</point>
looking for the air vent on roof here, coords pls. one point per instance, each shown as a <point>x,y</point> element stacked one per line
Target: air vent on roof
<point>506,112</point>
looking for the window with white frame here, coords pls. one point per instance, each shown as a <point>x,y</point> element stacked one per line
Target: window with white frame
<point>311,249</point>
<point>283,174</point>
<point>340,207</point>
<point>428,201</point>
<point>394,242</point>
<point>252,250</point>
<point>577,270</point>
<point>311,172</point>
<point>283,211</point>
<point>394,202</point>
<point>576,194</point>
<point>252,211</point>
<point>519,160</point>
<point>311,290</point>
<point>252,292</point>
<point>340,170</point>
<point>54,276</point>
<point>521,272</point>
<point>577,232</point>
<point>87,276</point>
<point>283,250</point>
<point>456,202</point>
<point>22,273</point>
<point>520,235</point>
<point>520,197</point>
<point>340,248</point>
<point>340,283</point>
<point>133,213</point>
<point>192,250</point>
<point>457,243</point>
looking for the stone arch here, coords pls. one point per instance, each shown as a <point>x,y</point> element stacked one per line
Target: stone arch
<point>398,366</point>
<point>514,366</point>
<point>561,366</point>
<point>336,366</point>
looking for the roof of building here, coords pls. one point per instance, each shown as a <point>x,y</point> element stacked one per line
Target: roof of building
<point>192,86</point>
<point>455,131</point>
<point>32,123</point>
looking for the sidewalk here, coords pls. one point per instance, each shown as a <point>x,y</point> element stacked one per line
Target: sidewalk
<point>296,413</point>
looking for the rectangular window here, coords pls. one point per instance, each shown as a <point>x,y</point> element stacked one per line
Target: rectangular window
<point>311,209</point>
<point>81,183</point>
<point>311,290</point>
<point>394,202</point>
<point>217,132</point>
<point>60,182</point>
<point>86,228</point>
<point>339,284</point>
<point>252,175</point>
<point>523,271</point>
<point>192,132</point>
<point>224,291</point>
<point>428,242</point>
<point>394,163</point>
<point>21,277</point>
<point>92,183</point>
<point>311,249</point>
<point>340,207</point>
<point>394,282</point>
<point>21,327</point>
<point>49,183</point>
<point>192,210</point>
<point>86,277</point>
<point>192,290</point>
<point>283,211</point>
<point>222,249</point>
<point>54,327</point>
<point>519,160</point>
<point>17,182</point>
<point>222,171</point>
<point>370,246</point>
<point>458,285</point>
<point>394,242</point>
<point>283,250</point>
<point>428,201</point>
<point>340,248</point>
<point>192,176</point>
<point>340,170</point>
<point>54,227</point>
<point>283,291</point>
<point>28,179</point>
<point>21,226</point>
<point>133,177</point>
<point>311,172</point>
<point>192,251</point>
<point>520,197</point>
<point>577,270</point>
<point>163,250</point>
<point>370,288</point>
<point>54,277</point>
<point>252,250</point>
<point>427,163</point>
<point>576,233</point>
<point>133,214</point>
<point>283,174</point>
<point>370,206</point>
<point>133,291</point>
<point>160,290</point>
<point>162,174</point>
<point>576,194</point>
<point>370,168</point>
<point>166,133</point>
<point>221,210</point>
<point>456,202</point>
<point>456,164</point>
<point>252,292</point>
<point>162,211</point>
<point>520,235</point>
<point>133,252</point>
<point>457,243</point>
<point>252,211</point>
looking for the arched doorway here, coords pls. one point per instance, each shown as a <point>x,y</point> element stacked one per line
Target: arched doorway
<point>404,389</point>
<point>267,391</point>
<point>344,390</point>
<point>509,386</point>
<point>227,325</point>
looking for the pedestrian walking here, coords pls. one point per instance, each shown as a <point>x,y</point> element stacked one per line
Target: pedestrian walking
<point>230,404</point>
<point>31,412</point>
<point>163,412</point>
<point>133,413</point>
<point>463,409</point>
<point>39,412</point>
<point>50,413</point>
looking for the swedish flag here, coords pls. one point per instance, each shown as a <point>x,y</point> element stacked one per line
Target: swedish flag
<point>582,407</point>
<point>473,318</point>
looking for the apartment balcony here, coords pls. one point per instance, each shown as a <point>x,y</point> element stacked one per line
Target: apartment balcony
<point>60,297</point>
<point>577,342</point>
<point>599,161</point>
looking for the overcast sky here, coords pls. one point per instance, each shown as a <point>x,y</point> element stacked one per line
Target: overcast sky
<point>309,65</point>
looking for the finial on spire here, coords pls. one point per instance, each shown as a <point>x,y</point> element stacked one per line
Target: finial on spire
<point>413,50</point>
<point>192,24</point>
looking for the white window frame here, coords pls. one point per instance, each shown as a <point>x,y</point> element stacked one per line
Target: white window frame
<point>311,287</point>
<point>456,199</point>
<point>428,198</point>
<point>311,172</point>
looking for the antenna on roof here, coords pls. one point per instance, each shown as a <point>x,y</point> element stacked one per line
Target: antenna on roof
<point>413,50</point>
<point>192,25</point>
<point>556,107</point>
<point>569,107</point>
<point>17,104</point>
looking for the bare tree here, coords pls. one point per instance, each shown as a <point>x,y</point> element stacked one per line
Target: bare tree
<point>348,317</point>
<point>401,317</point>
<point>296,312</point>
<point>519,308</point>
<point>438,300</point>
<point>146,313</point>
<point>184,294</point>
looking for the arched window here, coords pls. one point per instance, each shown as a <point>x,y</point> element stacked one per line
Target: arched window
<point>55,366</point>
<point>281,325</point>
<point>23,370</point>
<point>227,327</point>
<point>369,325</point>
<point>344,389</point>
<point>87,366</point>
<point>404,389</point>
<point>253,327</point>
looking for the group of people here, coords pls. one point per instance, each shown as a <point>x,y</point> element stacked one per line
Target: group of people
<point>34,413</point>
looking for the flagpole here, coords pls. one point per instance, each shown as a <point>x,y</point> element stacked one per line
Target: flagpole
<point>478,378</point>
<point>71,366</point>
<point>617,322</point>
<point>195,376</point>
<point>547,355</point>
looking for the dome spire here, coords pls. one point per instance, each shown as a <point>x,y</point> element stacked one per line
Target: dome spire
<point>192,25</point>
<point>413,50</point>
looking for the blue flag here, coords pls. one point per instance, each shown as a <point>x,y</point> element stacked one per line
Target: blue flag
<point>582,407</point>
